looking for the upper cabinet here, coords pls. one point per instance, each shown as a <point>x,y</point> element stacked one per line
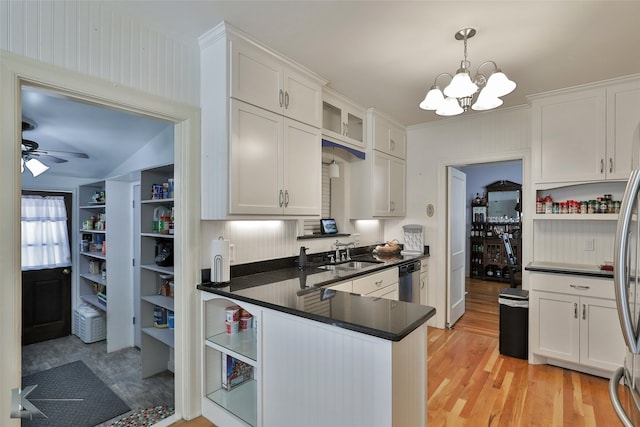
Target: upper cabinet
<point>342,120</point>
<point>378,183</point>
<point>260,78</point>
<point>388,136</point>
<point>586,134</point>
<point>261,138</point>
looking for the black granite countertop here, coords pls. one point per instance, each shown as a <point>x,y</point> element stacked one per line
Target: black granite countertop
<point>305,293</point>
<point>572,269</point>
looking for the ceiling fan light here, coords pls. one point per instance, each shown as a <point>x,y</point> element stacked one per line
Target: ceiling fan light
<point>461,85</point>
<point>486,101</point>
<point>449,107</point>
<point>499,84</point>
<point>433,100</point>
<point>36,167</point>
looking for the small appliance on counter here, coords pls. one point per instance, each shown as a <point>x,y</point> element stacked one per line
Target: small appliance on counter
<point>413,240</point>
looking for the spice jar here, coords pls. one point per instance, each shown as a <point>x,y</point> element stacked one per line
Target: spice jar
<point>539,205</point>
<point>548,204</point>
<point>584,206</point>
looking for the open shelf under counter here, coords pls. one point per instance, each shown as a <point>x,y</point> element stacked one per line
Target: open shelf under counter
<point>242,346</point>
<point>160,300</point>
<point>97,255</point>
<point>96,278</point>
<point>93,300</point>
<point>576,217</point>
<point>164,335</point>
<point>236,401</point>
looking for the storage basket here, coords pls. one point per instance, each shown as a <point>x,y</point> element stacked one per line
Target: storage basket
<point>89,324</point>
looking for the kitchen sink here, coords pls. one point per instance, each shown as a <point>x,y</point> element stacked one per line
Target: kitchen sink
<point>349,265</point>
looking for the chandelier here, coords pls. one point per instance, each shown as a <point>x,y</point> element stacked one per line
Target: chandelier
<point>458,95</point>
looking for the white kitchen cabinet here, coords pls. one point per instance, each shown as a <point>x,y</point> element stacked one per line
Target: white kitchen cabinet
<point>383,284</point>
<point>574,322</point>
<point>388,136</point>
<point>274,167</point>
<point>378,183</point>
<point>342,120</point>
<point>586,134</point>
<point>261,78</point>
<point>261,119</point>
<point>424,282</point>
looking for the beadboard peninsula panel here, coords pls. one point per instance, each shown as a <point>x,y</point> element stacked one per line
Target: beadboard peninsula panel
<point>102,41</point>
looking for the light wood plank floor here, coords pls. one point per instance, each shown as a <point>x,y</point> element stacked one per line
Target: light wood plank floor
<point>471,384</point>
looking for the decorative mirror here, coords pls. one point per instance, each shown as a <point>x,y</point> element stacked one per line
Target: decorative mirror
<point>503,200</point>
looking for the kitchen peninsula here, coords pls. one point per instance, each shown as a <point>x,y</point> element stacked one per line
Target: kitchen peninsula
<point>318,356</point>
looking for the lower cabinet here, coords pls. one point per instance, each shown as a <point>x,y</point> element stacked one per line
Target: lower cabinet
<point>383,284</point>
<point>575,320</point>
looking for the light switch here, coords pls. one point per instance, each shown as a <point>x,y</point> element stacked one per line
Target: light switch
<point>589,244</point>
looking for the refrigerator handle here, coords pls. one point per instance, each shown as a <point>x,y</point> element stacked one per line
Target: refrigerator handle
<point>614,381</point>
<point>621,267</point>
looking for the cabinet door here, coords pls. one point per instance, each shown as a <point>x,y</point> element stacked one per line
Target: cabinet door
<point>424,288</point>
<point>255,168</point>
<point>568,137</point>
<point>397,187</point>
<point>342,121</point>
<point>601,342</point>
<point>302,169</point>
<point>556,319</point>
<point>256,76</point>
<point>623,122</point>
<point>381,183</point>
<point>389,137</point>
<point>302,98</point>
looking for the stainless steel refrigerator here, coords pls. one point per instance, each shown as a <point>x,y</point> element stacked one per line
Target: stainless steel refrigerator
<point>625,394</point>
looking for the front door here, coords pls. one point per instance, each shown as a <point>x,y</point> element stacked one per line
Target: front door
<point>46,295</point>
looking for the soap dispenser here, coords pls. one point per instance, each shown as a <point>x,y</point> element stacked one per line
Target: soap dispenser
<point>302,258</point>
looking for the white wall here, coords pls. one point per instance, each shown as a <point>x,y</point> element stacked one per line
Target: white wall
<point>95,39</point>
<point>462,140</point>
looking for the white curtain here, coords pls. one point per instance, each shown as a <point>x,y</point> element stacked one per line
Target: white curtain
<point>45,239</point>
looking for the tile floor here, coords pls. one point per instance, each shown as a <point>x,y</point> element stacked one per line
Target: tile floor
<point>120,370</point>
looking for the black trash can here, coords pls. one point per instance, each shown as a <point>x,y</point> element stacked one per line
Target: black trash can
<point>514,322</point>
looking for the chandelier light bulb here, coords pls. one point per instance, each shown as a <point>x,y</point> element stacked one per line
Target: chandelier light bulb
<point>449,107</point>
<point>461,85</point>
<point>486,101</point>
<point>499,85</point>
<point>433,100</point>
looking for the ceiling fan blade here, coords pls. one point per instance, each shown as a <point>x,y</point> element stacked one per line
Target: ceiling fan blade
<point>48,157</point>
<point>65,154</point>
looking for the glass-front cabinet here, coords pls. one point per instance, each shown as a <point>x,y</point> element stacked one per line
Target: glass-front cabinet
<point>342,120</point>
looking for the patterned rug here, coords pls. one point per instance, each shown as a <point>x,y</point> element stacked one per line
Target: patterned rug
<point>144,417</point>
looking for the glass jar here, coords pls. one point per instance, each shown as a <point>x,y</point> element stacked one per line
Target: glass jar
<point>584,206</point>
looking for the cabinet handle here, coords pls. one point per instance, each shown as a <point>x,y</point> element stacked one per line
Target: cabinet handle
<point>379,282</point>
<point>286,198</point>
<point>392,206</point>
<point>580,287</point>
<point>584,311</point>
<point>393,145</point>
<point>601,165</point>
<point>610,165</point>
<point>286,100</point>
<point>346,129</point>
<point>281,198</point>
<point>281,97</point>
<point>575,310</point>
<point>422,282</point>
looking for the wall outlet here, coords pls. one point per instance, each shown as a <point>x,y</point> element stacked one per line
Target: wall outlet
<point>232,253</point>
<point>356,239</point>
<point>589,244</point>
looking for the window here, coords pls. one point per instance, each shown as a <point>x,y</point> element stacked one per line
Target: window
<point>45,238</point>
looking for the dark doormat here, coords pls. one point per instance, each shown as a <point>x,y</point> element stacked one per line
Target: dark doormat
<point>71,395</point>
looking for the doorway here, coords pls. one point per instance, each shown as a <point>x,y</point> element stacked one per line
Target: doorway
<point>479,175</point>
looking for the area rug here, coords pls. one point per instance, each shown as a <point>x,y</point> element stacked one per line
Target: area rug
<point>71,395</point>
<point>144,417</point>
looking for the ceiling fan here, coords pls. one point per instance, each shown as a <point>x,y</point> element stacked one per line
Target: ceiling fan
<point>31,153</point>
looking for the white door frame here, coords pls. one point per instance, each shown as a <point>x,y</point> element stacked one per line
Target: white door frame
<point>527,204</point>
<point>16,70</point>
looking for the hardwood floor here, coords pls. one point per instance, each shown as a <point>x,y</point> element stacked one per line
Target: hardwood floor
<point>471,384</point>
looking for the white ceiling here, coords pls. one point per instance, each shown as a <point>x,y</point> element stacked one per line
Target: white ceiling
<point>378,53</point>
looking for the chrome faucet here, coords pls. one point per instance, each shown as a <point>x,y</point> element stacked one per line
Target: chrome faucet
<point>345,256</point>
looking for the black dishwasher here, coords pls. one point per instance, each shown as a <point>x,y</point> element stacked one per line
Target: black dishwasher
<point>409,283</point>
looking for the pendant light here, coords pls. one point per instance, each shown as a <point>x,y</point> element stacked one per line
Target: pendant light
<point>334,170</point>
